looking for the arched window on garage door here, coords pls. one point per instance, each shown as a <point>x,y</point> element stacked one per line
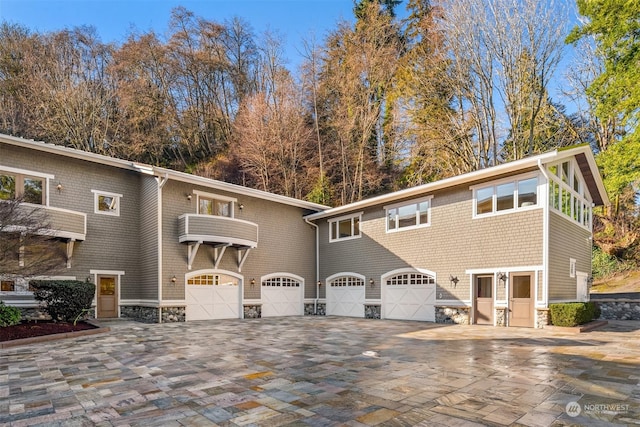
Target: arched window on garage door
<point>282,294</point>
<point>409,295</point>
<point>210,294</point>
<point>345,295</point>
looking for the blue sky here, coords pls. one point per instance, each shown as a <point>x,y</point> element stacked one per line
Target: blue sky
<point>114,19</point>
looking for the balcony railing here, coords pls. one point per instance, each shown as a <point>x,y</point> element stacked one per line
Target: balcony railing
<point>61,223</point>
<point>217,229</point>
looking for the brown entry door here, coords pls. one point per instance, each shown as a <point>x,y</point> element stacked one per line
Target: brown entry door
<point>107,297</point>
<point>521,300</point>
<point>484,300</point>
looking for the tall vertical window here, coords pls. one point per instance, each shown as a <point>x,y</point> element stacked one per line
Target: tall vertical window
<point>568,193</point>
<point>344,228</point>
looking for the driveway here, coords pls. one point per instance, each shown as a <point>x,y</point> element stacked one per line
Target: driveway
<point>324,371</point>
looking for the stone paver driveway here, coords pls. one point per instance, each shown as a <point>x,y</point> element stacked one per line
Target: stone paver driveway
<point>325,371</point>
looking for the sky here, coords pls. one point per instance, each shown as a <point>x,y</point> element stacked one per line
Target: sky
<point>114,19</point>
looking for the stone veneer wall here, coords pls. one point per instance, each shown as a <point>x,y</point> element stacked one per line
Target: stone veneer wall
<point>371,311</point>
<point>619,309</point>
<point>173,314</point>
<point>320,307</point>
<point>542,317</point>
<point>252,311</point>
<point>140,313</point>
<point>458,315</point>
<point>501,316</point>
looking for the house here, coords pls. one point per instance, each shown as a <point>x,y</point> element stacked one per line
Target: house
<point>495,246</point>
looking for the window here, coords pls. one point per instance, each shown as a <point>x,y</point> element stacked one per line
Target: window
<point>7,286</point>
<point>212,204</point>
<point>411,279</point>
<point>30,188</point>
<point>568,194</point>
<point>347,281</point>
<point>107,203</point>
<point>286,282</point>
<point>408,215</point>
<point>213,280</point>
<point>344,228</point>
<point>507,196</point>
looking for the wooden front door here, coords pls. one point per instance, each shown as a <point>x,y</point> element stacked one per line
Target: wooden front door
<point>107,297</point>
<point>521,300</point>
<point>484,300</point>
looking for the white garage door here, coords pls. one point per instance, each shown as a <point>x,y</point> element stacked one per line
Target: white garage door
<point>282,296</point>
<point>410,296</point>
<point>212,296</point>
<point>345,297</point>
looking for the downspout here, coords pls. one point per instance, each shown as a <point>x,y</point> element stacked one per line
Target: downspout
<point>315,301</point>
<point>545,235</point>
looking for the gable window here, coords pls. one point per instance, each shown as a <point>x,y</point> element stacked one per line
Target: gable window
<point>344,228</point>
<point>506,196</point>
<point>22,185</point>
<point>212,204</point>
<point>568,194</point>
<point>106,203</point>
<point>408,215</point>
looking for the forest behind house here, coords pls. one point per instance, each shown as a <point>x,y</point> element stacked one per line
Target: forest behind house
<point>377,104</point>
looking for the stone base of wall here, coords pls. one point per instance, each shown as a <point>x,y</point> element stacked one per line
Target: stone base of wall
<point>320,309</point>
<point>457,315</point>
<point>619,310</point>
<point>542,318</point>
<point>252,311</point>
<point>140,313</point>
<point>371,311</point>
<point>173,314</point>
<point>34,313</point>
<point>501,316</point>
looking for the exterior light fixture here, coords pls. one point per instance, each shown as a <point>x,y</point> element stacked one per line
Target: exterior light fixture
<point>59,187</point>
<point>189,196</point>
<point>253,282</point>
<point>454,280</point>
<point>503,277</point>
<point>241,206</point>
<point>319,283</point>
<point>174,279</point>
<point>371,282</point>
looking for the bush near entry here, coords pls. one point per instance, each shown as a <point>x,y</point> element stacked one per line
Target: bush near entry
<point>64,300</point>
<point>573,313</point>
<point>9,315</point>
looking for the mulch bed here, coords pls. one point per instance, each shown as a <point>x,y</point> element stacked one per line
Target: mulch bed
<point>39,328</point>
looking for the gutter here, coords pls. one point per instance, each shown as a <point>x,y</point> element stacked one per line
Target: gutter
<point>315,301</point>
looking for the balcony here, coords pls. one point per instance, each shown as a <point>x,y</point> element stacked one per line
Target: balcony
<point>60,223</point>
<point>218,231</point>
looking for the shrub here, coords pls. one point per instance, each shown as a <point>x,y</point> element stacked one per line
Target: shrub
<point>9,315</point>
<point>573,313</point>
<point>64,300</point>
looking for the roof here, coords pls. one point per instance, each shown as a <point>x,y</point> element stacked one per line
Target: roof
<point>157,171</point>
<point>582,153</point>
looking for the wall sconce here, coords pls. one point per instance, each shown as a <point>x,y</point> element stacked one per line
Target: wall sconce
<point>59,187</point>
<point>319,283</point>
<point>174,279</point>
<point>454,280</point>
<point>253,282</point>
<point>241,206</point>
<point>371,282</point>
<point>503,277</point>
<point>189,196</point>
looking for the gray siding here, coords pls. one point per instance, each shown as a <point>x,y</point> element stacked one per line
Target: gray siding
<point>149,243</point>
<point>453,243</point>
<point>286,244</point>
<point>566,240</point>
<point>112,243</point>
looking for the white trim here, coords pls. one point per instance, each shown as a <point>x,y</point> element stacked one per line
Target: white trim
<point>515,180</point>
<point>26,172</point>
<point>118,274</point>
<point>343,274</point>
<point>113,211</point>
<point>415,203</point>
<point>397,271</point>
<point>282,274</point>
<point>452,303</point>
<point>572,268</point>
<point>505,180</point>
<point>545,234</point>
<point>503,269</point>
<point>215,196</point>
<point>373,301</point>
<point>334,221</point>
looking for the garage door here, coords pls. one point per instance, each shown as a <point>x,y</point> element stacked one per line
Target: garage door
<point>282,296</point>
<point>345,296</point>
<point>212,296</point>
<point>410,296</point>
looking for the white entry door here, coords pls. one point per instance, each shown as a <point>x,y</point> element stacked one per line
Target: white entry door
<point>409,296</point>
<point>212,296</point>
<point>345,296</point>
<point>282,296</point>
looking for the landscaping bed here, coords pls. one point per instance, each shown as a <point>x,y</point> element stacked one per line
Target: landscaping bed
<point>30,329</point>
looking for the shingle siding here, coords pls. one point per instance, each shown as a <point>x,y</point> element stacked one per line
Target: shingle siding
<point>453,243</point>
<point>566,240</point>
<point>149,243</point>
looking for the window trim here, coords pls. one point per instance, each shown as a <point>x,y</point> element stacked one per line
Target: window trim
<point>217,197</point>
<point>515,179</point>
<point>96,204</point>
<point>333,221</point>
<point>25,173</point>
<point>415,203</point>
<point>581,196</point>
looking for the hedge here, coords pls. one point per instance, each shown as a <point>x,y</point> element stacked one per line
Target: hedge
<point>64,300</point>
<point>573,313</point>
<point>9,315</point>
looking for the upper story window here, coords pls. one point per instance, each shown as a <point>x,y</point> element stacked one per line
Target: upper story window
<point>568,193</point>
<point>407,215</point>
<point>23,184</point>
<point>344,228</point>
<point>506,196</point>
<point>106,203</point>
<point>212,204</point>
